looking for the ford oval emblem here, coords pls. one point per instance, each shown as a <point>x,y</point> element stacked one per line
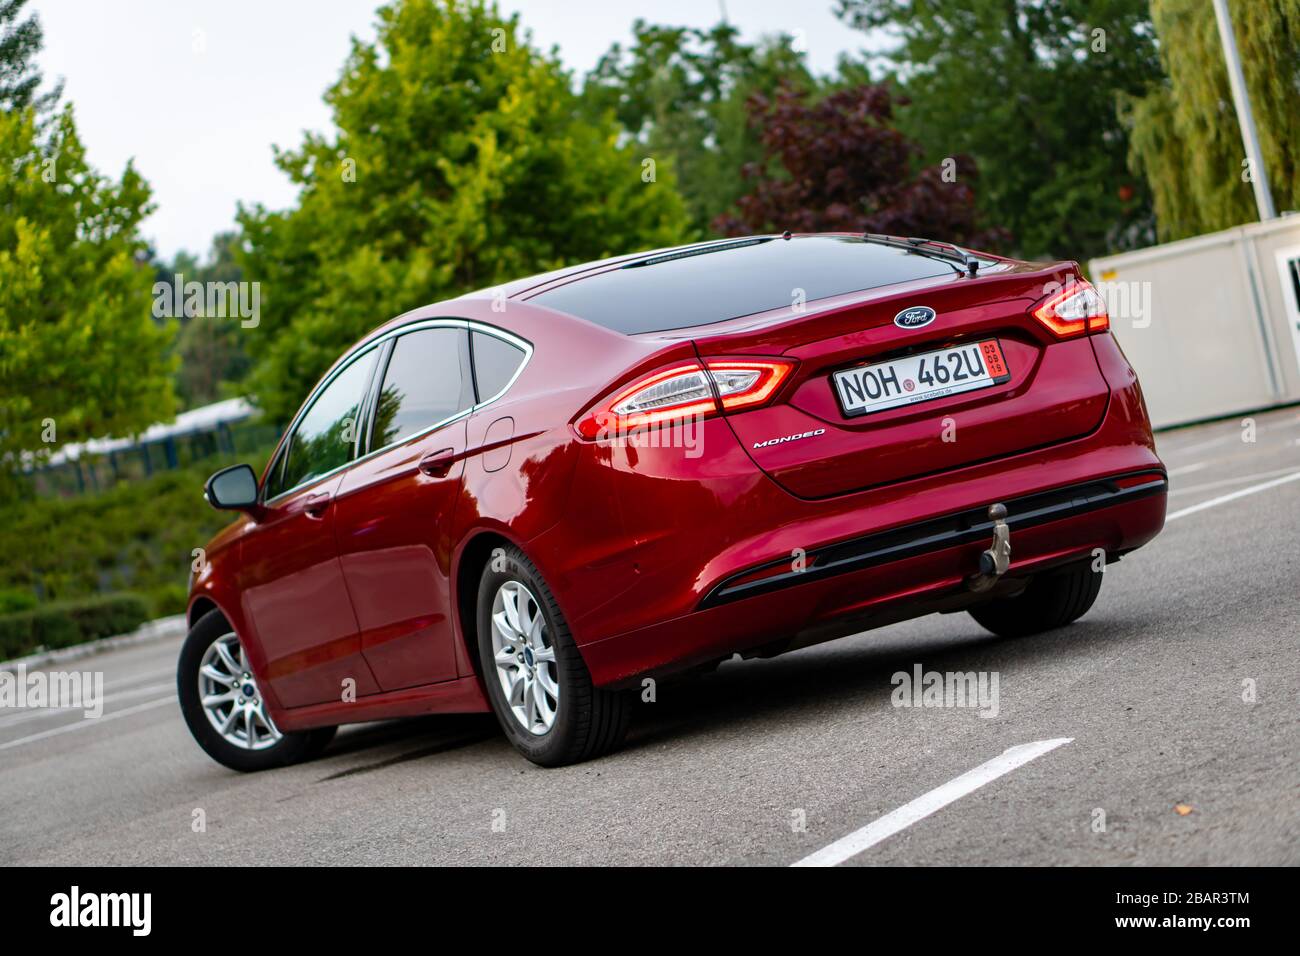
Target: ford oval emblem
<point>915,317</point>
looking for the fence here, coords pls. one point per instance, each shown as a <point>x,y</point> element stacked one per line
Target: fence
<point>226,428</point>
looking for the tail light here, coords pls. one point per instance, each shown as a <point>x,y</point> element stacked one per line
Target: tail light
<point>684,391</point>
<point>1077,309</point>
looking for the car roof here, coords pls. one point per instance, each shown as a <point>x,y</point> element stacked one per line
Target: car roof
<point>707,282</point>
<point>517,288</point>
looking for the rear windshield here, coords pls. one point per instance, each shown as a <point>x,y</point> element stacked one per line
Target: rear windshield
<point>690,287</point>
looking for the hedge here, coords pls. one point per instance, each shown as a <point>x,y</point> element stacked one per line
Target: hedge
<point>65,623</point>
<point>137,537</point>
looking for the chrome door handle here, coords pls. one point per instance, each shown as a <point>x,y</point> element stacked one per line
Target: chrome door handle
<point>315,505</point>
<point>437,464</point>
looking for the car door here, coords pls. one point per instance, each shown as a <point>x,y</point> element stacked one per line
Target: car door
<point>291,577</point>
<point>394,507</point>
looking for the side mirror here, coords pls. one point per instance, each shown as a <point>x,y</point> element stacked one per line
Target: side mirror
<point>234,488</point>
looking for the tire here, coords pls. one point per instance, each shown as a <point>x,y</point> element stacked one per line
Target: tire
<point>1050,600</point>
<point>270,748</point>
<point>584,720</point>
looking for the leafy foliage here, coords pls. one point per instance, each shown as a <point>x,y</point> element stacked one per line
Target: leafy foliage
<point>20,80</point>
<point>838,164</point>
<point>210,349</point>
<point>77,344</point>
<point>1023,87</point>
<point>1185,135</point>
<point>64,623</point>
<point>680,92</point>
<point>462,160</point>
<point>137,536</point>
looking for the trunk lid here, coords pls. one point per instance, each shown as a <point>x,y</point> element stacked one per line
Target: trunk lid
<point>810,443</point>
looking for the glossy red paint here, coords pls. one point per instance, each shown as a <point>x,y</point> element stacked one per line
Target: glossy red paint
<point>292,588</point>
<point>392,541</point>
<point>378,585</point>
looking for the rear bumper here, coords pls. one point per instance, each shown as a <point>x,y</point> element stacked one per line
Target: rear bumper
<point>866,583</point>
<point>937,534</point>
<point>656,563</point>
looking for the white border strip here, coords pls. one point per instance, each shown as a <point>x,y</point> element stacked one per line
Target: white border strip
<point>920,808</point>
<point>1224,499</point>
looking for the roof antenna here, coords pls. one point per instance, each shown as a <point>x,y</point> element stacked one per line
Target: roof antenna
<point>786,234</point>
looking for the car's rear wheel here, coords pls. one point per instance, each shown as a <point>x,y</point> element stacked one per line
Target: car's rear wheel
<point>536,680</point>
<point>1050,600</point>
<point>224,707</point>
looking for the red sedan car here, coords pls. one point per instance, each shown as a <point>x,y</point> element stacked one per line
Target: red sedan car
<point>533,498</point>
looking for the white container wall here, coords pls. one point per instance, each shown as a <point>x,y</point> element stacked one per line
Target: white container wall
<point>1211,324</point>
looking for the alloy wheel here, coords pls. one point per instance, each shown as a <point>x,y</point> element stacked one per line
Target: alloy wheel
<point>231,699</point>
<point>524,658</point>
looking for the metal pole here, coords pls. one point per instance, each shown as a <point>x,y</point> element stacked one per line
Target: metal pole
<point>1245,118</point>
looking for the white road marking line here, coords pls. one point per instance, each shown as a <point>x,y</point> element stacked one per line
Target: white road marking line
<point>850,846</point>
<point>1224,499</point>
<point>85,724</point>
<point>21,715</point>
<point>1186,468</point>
<point>1238,480</point>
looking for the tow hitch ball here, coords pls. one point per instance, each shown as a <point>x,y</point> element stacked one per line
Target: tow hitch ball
<point>995,560</point>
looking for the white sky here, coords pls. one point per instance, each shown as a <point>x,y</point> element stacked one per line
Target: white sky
<point>197,91</point>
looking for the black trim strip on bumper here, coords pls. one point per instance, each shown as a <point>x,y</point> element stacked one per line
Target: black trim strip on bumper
<point>935,534</point>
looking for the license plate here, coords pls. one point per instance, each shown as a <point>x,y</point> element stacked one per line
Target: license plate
<point>922,377</point>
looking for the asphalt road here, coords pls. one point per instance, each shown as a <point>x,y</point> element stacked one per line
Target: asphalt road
<point>770,762</point>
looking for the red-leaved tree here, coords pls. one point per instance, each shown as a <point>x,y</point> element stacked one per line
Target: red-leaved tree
<point>839,165</point>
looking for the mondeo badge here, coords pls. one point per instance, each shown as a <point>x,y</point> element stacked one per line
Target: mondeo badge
<point>915,317</point>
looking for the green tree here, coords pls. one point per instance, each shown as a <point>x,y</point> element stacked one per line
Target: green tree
<point>20,80</point>
<point>210,349</point>
<point>1184,133</point>
<point>1028,89</point>
<point>212,361</point>
<point>681,93</point>
<point>80,355</point>
<point>461,160</point>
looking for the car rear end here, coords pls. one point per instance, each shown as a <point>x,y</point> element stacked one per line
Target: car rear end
<point>827,463</point>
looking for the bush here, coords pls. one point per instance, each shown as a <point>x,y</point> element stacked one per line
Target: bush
<point>13,600</point>
<point>137,537</point>
<point>65,623</point>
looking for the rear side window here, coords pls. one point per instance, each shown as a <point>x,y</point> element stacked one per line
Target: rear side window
<point>426,382</point>
<point>325,436</point>
<point>704,284</point>
<point>495,364</point>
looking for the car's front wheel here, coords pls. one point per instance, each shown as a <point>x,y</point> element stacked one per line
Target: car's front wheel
<point>1050,600</point>
<point>539,687</point>
<point>224,707</point>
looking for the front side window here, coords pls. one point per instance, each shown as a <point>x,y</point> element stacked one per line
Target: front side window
<point>425,383</point>
<point>325,436</point>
